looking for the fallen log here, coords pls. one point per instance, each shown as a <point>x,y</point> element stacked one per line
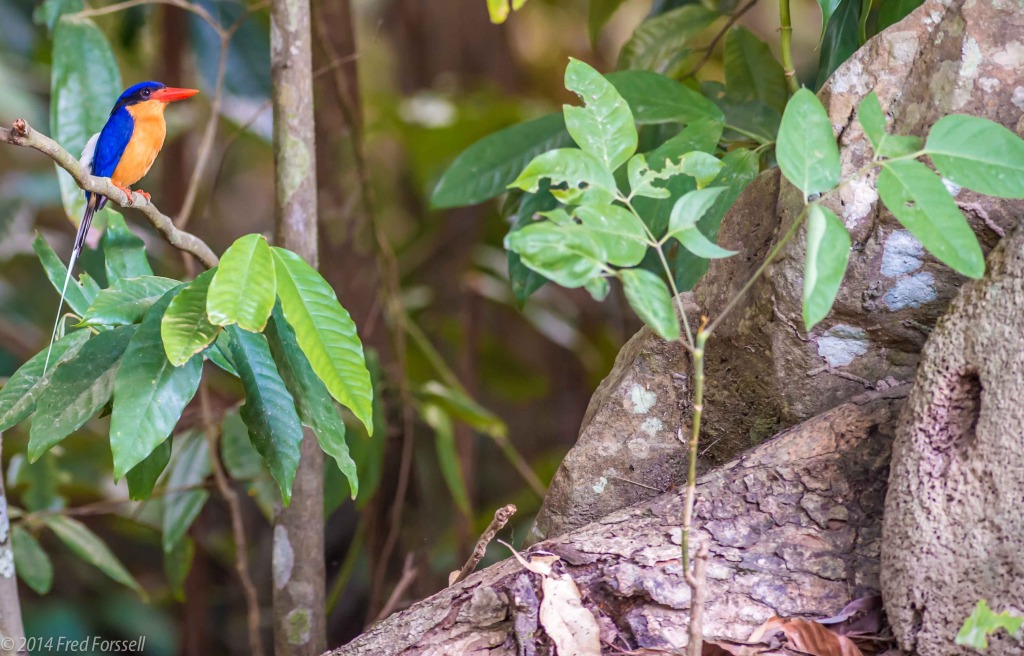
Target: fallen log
<point>793,528</point>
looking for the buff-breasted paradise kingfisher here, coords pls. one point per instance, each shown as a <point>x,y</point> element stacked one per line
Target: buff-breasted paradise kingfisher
<point>123,151</point>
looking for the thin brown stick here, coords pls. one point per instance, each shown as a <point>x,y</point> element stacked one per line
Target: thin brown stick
<point>501,518</point>
<point>408,576</point>
<point>252,602</point>
<point>22,134</point>
<point>697,580</point>
<point>198,10</point>
<point>709,49</point>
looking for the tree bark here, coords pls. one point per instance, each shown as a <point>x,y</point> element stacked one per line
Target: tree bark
<point>793,528</point>
<point>953,530</point>
<point>298,553</point>
<point>12,632</point>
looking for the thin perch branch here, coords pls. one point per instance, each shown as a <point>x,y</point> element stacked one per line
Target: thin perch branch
<point>501,518</point>
<point>22,134</point>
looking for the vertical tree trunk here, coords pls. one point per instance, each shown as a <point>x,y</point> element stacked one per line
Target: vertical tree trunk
<point>298,558</point>
<point>12,633</point>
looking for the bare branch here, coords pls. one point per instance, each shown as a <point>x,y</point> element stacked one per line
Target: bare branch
<point>501,518</point>
<point>22,134</point>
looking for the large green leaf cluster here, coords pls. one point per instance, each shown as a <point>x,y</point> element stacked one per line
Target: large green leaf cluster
<point>136,353</point>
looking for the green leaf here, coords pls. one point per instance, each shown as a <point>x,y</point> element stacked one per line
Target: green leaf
<point>650,299</point>
<point>244,288</point>
<point>220,353</point>
<point>312,400</point>
<point>660,43</point>
<point>79,294</point>
<point>891,12</point>
<point>756,119</point>
<point>703,168</point>
<point>694,241</point>
<point>872,119</point>
<point>739,169</point>
<point>126,301</point>
<point>655,98</point>
<point>142,477</point>
<point>190,468</point>
<point>525,281</point>
<point>83,67</point>
<point>920,201</point>
<point>447,454</point>
<point>567,255</point>
<point>50,11</point>
<point>978,154</point>
<point>20,393</point>
<point>617,231</point>
<point>828,250</point>
<point>600,12</point>
<point>605,127</point>
<point>689,209</point>
<point>461,406</point>
<point>588,179</point>
<point>124,254</point>
<point>89,547</point>
<point>806,150</point>
<point>30,561</point>
<point>828,7</point>
<point>269,410</point>
<point>185,328</point>
<point>245,464</point>
<point>149,393</point>
<point>78,389</point>
<point>841,39</point>
<point>751,72</point>
<point>982,623</point>
<point>499,9</point>
<point>326,334</point>
<point>488,167</point>
<point>40,482</point>
<point>177,565</point>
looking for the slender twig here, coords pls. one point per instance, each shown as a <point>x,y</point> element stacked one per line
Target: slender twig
<point>408,576</point>
<point>196,9</point>
<point>22,134</point>
<point>501,518</point>
<point>108,506</point>
<point>786,41</point>
<point>697,580</point>
<point>697,357</point>
<point>230,496</point>
<point>710,48</point>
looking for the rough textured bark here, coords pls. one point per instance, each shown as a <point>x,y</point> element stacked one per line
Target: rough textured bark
<point>954,531</point>
<point>793,528</point>
<point>10,604</point>
<point>298,554</point>
<point>764,370</point>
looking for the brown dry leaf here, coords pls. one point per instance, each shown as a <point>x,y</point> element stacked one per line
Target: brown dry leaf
<point>734,648</point>
<point>572,627</point>
<point>807,636</point>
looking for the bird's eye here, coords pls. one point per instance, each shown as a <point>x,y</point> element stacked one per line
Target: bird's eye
<point>145,93</point>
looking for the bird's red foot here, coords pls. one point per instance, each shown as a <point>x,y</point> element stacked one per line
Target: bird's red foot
<point>144,195</point>
<point>126,189</point>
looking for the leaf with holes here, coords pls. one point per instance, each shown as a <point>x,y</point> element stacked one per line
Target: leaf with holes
<point>919,200</point>
<point>604,127</point>
<point>586,178</point>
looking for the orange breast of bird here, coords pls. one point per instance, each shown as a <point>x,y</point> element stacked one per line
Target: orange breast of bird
<point>146,142</point>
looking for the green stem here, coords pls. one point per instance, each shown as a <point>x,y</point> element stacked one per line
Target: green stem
<point>786,40</point>
<point>698,411</point>
<point>750,135</point>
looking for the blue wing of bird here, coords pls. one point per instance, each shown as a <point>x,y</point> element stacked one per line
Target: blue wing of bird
<point>113,140</point>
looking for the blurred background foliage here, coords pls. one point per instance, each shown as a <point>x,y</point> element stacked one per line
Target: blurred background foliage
<point>402,87</point>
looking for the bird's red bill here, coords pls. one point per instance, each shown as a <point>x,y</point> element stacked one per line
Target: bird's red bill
<point>172,94</point>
